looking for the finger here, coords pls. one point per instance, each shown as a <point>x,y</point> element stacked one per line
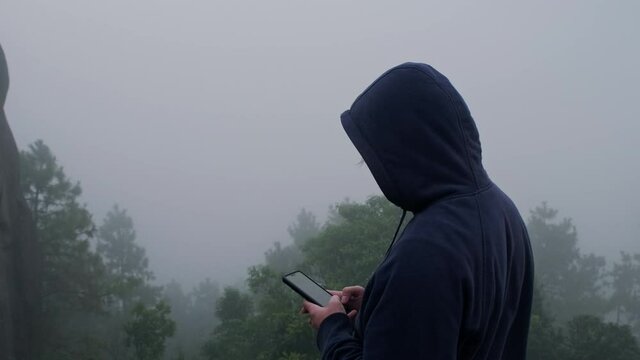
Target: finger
<point>352,290</point>
<point>303,310</point>
<point>309,306</point>
<point>352,314</point>
<point>335,303</point>
<point>335,292</point>
<point>335,299</point>
<point>344,299</point>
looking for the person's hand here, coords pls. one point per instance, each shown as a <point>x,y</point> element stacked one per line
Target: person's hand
<point>317,314</point>
<point>351,297</point>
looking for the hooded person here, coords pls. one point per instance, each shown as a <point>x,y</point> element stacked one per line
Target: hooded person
<point>20,274</point>
<point>458,282</point>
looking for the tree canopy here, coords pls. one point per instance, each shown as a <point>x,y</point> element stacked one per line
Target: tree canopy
<point>100,300</point>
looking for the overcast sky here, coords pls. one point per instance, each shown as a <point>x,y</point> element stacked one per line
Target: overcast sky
<point>214,122</point>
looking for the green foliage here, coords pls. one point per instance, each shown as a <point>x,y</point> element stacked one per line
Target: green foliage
<point>127,277</point>
<point>572,282</point>
<point>585,337</point>
<point>234,305</point>
<point>64,227</point>
<point>232,341</point>
<point>348,247</point>
<point>202,316</point>
<point>284,259</point>
<point>125,261</point>
<point>232,338</point>
<point>194,314</point>
<point>73,276</point>
<point>304,228</point>
<point>147,330</point>
<point>625,284</point>
<point>589,338</point>
<point>546,342</point>
<point>574,287</point>
<point>278,307</point>
<point>264,324</point>
<point>353,242</point>
<point>80,286</point>
<point>89,296</point>
<point>345,250</point>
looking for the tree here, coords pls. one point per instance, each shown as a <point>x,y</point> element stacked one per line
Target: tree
<point>233,305</point>
<point>127,277</point>
<point>589,338</point>
<point>180,304</point>
<point>625,284</point>
<point>233,338</point>
<point>194,314</point>
<point>202,316</point>
<point>304,228</point>
<point>126,263</point>
<point>572,282</point>
<point>147,330</point>
<point>284,259</point>
<point>545,342</point>
<point>353,242</point>
<point>73,275</point>
<point>266,324</point>
<point>64,228</point>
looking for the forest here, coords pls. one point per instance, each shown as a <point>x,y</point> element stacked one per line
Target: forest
<point>100,299</point>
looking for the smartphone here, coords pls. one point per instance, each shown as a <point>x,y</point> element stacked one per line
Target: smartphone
<point>307,288</point>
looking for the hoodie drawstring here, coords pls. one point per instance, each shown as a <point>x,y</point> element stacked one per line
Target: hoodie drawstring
<point>404,213</point>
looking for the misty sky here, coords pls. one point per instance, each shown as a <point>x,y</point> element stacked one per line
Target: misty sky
<point>214,122</point>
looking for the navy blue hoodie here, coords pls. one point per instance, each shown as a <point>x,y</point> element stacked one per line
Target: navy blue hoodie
<point>457,284</point>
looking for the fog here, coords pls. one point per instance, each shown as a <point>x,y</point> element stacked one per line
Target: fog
<point>214,123</point>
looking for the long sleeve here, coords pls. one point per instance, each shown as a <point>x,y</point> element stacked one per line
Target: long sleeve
<point>414,310</point>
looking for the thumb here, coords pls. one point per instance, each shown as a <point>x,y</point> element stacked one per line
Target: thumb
<point>309,306</point>
<point>335,300</point>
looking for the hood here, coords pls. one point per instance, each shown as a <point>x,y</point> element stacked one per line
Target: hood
<point>416,135</point>
<point>4,78</point>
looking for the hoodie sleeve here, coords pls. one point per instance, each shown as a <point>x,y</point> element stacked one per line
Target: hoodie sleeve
<point>414,310</point>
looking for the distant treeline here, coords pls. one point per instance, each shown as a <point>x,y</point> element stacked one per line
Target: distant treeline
<point>99,301</point>
<point>97,297</point>
<point>583,309</point>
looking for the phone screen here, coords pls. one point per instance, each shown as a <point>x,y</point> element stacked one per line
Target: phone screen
<point>302,283</point>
